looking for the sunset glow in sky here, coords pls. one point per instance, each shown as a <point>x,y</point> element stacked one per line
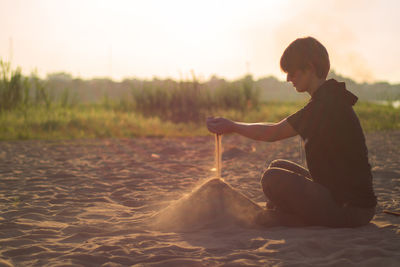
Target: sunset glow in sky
<point>143,39</point>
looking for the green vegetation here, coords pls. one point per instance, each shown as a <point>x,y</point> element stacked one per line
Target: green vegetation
<point>192,101</point>
<point>376,117</point>
<point>98,121</point>
<point>31,108</point>
<point>18,92</point>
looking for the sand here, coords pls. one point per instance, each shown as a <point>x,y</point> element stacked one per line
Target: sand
<point>88,203</point>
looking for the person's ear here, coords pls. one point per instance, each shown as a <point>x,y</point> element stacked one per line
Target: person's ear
<point>311,68</point>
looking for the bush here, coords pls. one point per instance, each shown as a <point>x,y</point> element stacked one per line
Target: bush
<point>193,101</point>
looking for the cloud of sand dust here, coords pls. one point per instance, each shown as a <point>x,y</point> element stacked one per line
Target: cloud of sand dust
<point>211,204</point>
<point>194,210</point>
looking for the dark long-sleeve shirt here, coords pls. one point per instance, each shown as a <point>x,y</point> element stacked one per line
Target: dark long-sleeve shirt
<point>336,153</point>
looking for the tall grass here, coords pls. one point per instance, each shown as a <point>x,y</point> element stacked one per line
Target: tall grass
<point>13,89</point>
<point>184,101</point>
<point>22,93</point>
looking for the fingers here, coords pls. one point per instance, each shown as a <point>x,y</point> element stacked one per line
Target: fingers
<point>215,125</point>
<point>211,119</point>
<point>211,124</point>
<point>212,127</point>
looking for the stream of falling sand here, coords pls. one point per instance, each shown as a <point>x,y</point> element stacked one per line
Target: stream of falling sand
<point>218,153</point>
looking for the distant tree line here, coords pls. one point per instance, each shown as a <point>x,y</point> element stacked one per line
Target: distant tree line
<point>270,88</point>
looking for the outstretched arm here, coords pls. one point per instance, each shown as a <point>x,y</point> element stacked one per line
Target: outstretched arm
<point>268,132</point>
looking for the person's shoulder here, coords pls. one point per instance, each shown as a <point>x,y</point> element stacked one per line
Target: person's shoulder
<point>335,93</point>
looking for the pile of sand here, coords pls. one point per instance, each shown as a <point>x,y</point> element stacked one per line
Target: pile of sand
<point>212,204</point>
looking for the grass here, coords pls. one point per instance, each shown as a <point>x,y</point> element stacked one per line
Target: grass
<point>376,117</point>
<point>98,121</point>
<point>84,122</point>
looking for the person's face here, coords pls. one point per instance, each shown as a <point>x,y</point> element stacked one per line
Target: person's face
<point>300,79</point>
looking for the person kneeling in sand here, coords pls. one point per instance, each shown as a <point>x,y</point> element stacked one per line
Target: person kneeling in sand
<point>336,190</point>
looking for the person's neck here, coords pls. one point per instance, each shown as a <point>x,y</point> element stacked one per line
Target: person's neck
<point>315,84</point>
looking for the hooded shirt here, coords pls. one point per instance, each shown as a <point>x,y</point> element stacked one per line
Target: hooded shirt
<point>336,153</point>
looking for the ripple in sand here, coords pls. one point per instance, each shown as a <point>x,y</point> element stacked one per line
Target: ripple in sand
<point>30,250</point>
<point>77,238</point>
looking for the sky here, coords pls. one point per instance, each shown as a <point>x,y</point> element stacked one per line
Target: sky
<point>175,38</point>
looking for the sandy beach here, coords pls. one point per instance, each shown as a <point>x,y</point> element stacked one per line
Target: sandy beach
<point>88,203</point>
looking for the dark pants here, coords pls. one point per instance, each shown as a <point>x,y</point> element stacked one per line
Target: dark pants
<point>300,201</point>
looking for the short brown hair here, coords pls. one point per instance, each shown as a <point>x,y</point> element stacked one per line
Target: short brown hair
<point>304,52</point>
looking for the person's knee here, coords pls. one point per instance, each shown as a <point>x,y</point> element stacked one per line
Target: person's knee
<point>270,180</point>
